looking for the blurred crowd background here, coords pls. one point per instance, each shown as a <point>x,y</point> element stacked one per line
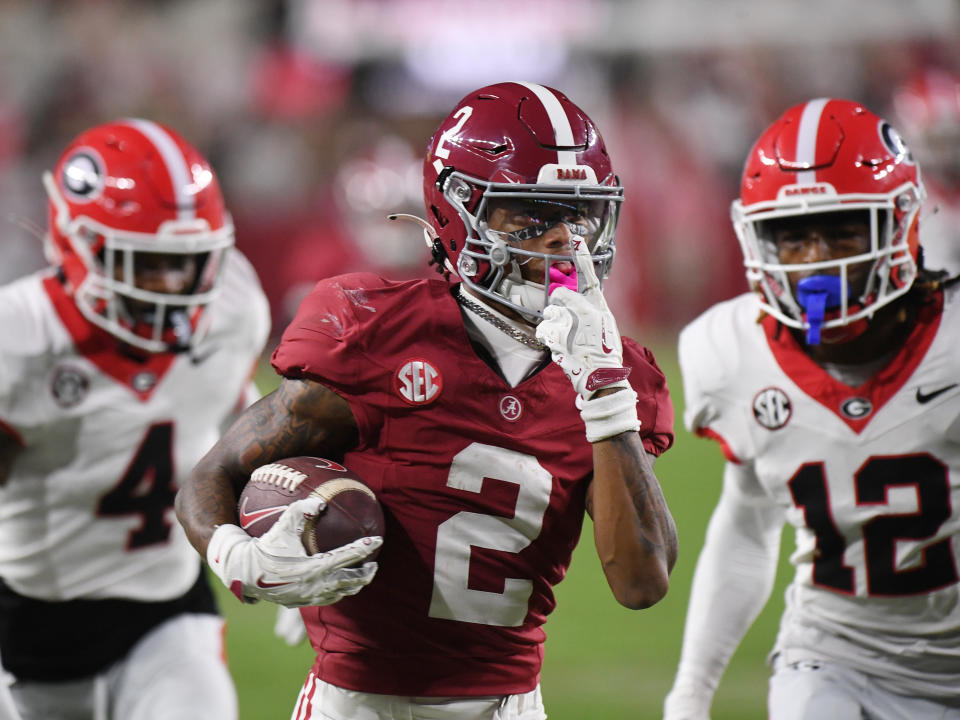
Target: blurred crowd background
<point>315,113</point>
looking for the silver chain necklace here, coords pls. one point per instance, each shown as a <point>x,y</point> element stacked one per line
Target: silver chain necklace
<point>501,325</point>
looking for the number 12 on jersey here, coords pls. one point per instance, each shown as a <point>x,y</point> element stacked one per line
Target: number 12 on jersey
<point>881,533</point>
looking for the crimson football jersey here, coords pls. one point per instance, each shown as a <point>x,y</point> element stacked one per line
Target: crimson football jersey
<point>483,487</point>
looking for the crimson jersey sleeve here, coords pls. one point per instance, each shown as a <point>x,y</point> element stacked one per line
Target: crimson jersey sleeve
<point>329,339</point>
<point>654,406</point>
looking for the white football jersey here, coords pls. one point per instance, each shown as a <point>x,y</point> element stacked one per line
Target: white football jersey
<point>869,476</point>
<point>88,509</point>
<point>940,229</point>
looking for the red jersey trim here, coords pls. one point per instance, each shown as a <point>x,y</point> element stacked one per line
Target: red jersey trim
<point>100,347</point>
<point>12,432</point>
<point>728,452</point>
<point>830,392</point>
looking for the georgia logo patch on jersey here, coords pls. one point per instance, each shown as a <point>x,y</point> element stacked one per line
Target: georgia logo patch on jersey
<point>856,408</point>
<point>418,382</point>
<point>772,408</point>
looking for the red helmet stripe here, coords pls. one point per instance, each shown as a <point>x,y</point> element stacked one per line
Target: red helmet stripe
<point>562,130</point>
<point>807,139</point>
<point>175,162</point>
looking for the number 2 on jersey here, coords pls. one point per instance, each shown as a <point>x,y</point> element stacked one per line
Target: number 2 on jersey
<point>882,532</point>
<point>453,599</point>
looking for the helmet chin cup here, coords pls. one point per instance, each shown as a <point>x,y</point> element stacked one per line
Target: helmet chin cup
<point>817,294</point>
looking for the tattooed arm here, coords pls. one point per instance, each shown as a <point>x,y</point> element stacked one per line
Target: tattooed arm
<point>633,530</point>
<point>300,417</point>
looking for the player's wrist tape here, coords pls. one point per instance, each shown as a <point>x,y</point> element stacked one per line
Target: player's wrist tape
<point>224,541</point>
<point>609,415</point>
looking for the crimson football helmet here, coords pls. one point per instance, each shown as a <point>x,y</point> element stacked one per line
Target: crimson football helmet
<point>825,156</point>
<point>523,142</point>
<point>928,111</point>
<point>122,195</point>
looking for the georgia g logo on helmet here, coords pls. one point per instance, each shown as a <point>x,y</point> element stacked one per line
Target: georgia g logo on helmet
<point>893,141</point>
<point>82,176</point>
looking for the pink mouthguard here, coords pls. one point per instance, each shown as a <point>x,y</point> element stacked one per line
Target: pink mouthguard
<point>561,279</point>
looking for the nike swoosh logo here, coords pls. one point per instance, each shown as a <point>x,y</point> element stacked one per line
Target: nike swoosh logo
<point>249,518</point>
<point>923,397</point>
<point>603,339</point>
<point>261,583</point>
<point>197,359</point>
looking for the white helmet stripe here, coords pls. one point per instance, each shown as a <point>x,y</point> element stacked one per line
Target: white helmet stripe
<point>807,139</point>
<point>175,163</point>
<point>558,118</point>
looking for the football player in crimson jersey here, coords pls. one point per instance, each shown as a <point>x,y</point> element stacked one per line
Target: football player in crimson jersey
<point>833,392</point>
<point>443,397</point>
<point>118,368</point>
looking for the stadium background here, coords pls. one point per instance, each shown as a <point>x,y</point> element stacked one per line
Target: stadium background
<point>315,114</point>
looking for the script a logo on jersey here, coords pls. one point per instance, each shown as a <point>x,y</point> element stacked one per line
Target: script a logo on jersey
<point>418,382</point>
<point>772,408</point>
<point>510,408</point>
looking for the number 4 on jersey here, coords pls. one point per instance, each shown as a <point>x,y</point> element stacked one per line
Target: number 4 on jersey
<point>146,489</point>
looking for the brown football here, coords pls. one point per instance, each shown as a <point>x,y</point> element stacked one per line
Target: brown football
<point>352,511</point>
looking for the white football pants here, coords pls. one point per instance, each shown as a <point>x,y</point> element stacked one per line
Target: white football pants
<point>813,690</point>
<point>322,701</point>
<point>176,672</point>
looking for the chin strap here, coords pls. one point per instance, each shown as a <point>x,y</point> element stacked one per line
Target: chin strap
<point>438,252</point>
<point>817,294</point>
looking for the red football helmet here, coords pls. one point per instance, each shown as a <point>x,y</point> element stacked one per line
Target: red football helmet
<point>928,111</point>
<point>822,156</point>
<point>122,195</point>
<point>522,141</point>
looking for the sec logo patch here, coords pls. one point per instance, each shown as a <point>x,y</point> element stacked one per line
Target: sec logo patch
<point>69,386</point>
<point>418,382</point>
<point>771,408</point>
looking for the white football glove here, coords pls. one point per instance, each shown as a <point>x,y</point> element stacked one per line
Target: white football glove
<point>276,567</point>
<point>584,341</point>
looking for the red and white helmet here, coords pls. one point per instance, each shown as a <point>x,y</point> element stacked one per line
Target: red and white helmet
<point>129,187</point>
<point>514,140</point>
<point>928,112</point>
<point>822,156</point>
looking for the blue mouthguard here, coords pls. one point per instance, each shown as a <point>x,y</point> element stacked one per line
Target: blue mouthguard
<point>817,294</point>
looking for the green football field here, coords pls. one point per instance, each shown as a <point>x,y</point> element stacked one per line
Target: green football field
<point>602,660</point>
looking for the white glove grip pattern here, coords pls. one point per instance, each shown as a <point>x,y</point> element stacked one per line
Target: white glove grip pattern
<point>609,415</point>
<point>276,567</point>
